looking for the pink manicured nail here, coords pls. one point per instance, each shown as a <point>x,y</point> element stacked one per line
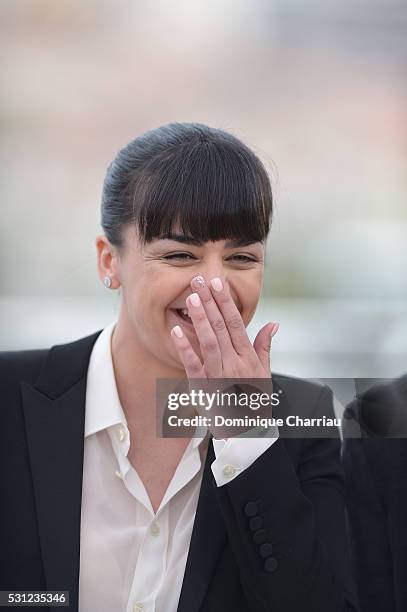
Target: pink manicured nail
<point>194,299</point>
<point>198,282</point>
<point>274,329</point>
<point>177,331</point>
<point>217,284</point>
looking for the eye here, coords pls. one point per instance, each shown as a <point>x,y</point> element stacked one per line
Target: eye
<point>244,258</point>
<point>178,256</point>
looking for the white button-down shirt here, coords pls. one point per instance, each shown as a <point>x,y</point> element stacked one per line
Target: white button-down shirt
<point>131,558</point>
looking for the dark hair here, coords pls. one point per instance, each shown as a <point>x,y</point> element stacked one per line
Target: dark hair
<point>203,179</point>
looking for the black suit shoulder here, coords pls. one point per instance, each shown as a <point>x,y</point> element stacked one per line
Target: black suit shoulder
<point>68,361</point>
<point>47,369</point>
<point>313,387</point>
<point>305,397</point>
<point>16,367</point>
<point>381,411</point>
<point>17,364</point>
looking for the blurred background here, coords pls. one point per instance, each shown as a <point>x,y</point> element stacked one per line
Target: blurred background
<point>318,90</point>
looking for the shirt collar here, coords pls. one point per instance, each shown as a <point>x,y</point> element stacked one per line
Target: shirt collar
<point>103,407</point>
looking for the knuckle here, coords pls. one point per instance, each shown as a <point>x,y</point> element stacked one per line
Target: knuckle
<point>194,368</point>
<point>235,322</point>
<point>189,355</point>
<point>218,324</point>
<point>210,345</point>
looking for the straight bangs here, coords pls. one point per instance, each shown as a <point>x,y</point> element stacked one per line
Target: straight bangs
<point>208,190</point>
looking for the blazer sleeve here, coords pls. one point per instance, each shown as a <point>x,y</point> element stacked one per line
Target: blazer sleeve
<point>286,527</point>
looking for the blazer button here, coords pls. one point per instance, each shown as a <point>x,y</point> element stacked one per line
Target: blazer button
<point>260,536</point>
<point>270,564</point>
<point>251,508</point>
<point>265,549</point>
<point>255,523</point>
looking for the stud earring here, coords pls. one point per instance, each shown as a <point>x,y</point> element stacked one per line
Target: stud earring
<point>107,281</point>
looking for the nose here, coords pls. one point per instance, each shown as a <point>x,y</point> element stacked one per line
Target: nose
<point>213,268</point>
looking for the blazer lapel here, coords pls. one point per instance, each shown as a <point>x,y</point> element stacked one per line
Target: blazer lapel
<point>207,541</point>
<point>54,413</point>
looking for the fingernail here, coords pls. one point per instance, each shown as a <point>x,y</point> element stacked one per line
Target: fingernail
<point>198,282</point>
<point>217,284</point>
<point>274,329</point>
<point>177,331</point>
<point>194,299</point>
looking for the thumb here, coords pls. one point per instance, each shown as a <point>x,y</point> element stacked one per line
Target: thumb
<point>262,344</point>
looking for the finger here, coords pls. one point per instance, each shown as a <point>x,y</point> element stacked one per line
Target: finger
<point>210,348</point>
<point>215,317</point>
<point>232,317</point>
<point>191,362</point>
<point>262,344</point>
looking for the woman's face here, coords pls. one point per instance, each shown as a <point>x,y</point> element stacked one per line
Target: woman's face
<point>155,281</point>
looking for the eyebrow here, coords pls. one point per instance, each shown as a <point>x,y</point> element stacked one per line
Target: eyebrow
<point>239,242</point>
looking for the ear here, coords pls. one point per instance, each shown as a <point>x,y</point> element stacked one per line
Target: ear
<point>107,261</point>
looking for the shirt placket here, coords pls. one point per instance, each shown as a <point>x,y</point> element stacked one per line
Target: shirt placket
<point>150,566</point>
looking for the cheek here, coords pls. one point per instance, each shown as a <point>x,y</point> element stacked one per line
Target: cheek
<point>145,286</point>
<point>251,295</point>
<point>251,288</point>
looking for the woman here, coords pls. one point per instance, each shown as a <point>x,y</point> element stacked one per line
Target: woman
<point>96,503</point>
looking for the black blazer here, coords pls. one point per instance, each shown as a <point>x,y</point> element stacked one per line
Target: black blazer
<point>376,486</point>
<point>271,540</point>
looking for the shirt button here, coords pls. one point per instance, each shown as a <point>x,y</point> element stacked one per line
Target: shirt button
<point>118,474</point>
<point>138,606</point>
<point>229,471</point>
<point>122,434</point>
<point>154,529</point>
